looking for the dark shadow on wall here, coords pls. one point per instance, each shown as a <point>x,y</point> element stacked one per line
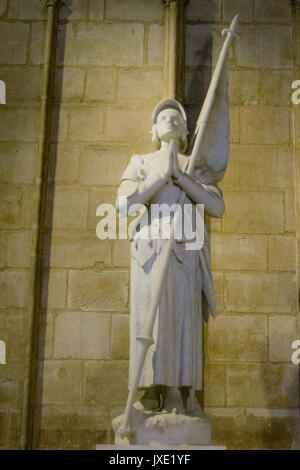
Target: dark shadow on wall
<point>280,383</point>
<point>46,225</point>
<point>198,73</point>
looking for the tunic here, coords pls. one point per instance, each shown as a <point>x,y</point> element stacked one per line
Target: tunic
<point>175,358</point>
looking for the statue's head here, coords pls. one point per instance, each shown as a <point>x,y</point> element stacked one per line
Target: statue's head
<point>169,122</point>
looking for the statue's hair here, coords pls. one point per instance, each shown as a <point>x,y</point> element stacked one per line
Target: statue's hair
<point>183,138</point>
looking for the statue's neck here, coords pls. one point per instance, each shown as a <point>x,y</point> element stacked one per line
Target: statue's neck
<point>164,145</point>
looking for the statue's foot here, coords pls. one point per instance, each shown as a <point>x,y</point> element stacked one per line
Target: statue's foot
<point>151,400</point>
<point>173,401</point>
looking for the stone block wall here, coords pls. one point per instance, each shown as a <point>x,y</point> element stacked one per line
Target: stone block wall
<point>108,77</point>
<point>251,386</point>
<point>20,69</point>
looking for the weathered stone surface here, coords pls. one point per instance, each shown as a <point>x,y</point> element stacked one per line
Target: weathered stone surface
<point>135,10</point>
<point>155,45</point>
<point>203,43</point>
<point>96,197</point>
<point>18,248</point>
<point>297,127</point>
<point>244,87</point>
<point>22,84</point>
<point>249,212</point>
<point>244,8</point>
<point>29,10</point>
<point>55,289</point>
<point>121,253</point>
<point>268,125</point>
<point>69,82</point>
<point>38,32</point>
<point>3,5</point>
<point>71,251</point>
<point>219,290</point>
<point>14,288</point>
<point>18,124</point>
<point>110,44</point>
<point>46,336</point>
<point>276,87</point>
<point>4,426</point>
<point>101,84</point>
<point>196,85</point>
<point>120,337</point>
<point>237,339</point>
<point>82,336</point>
<point>127,117</point>
<point>248,47</point>
<point>290,210</point>
<point>73,439</point>
<point>105,382</point>
<point>215,225</point>
<point>272,10</point>
<point>140,85</point>
<point>70,209</point>
<point>11,382</point>
<point>66,417</point>
<point>16,162</point>
<point>234,124</point>
<point>282,331</point>
<point>262,293</point>
<point>79,131</point>
<point>214,384</point>
<point>15,38</point>
<point>3,251</point>
<point>75,10</point>
<point>98,291</point>
<point>258,428</point>
<point>282,253</point>
<point>207,10</point>
<point>102,165</point>
<point>60,123</point>
<point>65,159</point>
<point>238,252</point>
<point>280,55</point>
<point>62,382</point>
<point>16,206</point>
<point>96,10</point>
<point>277,389</point>
<point>259,167</point>
<point>11,328</point>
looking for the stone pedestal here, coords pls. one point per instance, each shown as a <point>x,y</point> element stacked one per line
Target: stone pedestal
<point>150,428</point>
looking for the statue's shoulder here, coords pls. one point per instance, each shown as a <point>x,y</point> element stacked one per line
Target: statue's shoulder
<point>136,165</point>
<point>146,157</point>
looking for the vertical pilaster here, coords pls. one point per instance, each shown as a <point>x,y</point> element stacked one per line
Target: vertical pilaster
<point>31,373</point>
<point>174,48</point>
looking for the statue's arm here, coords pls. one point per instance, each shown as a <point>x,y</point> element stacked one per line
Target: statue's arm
<point>209,195</point>
<point>132,192</point>
<point>138,188</point>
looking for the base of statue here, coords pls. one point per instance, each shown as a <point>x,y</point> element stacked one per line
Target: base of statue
<point>150,428</point>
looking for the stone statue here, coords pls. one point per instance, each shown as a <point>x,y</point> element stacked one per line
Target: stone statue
<point>169,367</point>
<point>175,359</point>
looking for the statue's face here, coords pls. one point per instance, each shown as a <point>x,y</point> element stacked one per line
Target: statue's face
<point>170,125</point>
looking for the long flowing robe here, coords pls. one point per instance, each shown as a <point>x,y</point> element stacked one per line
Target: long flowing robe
<point>175,358</point>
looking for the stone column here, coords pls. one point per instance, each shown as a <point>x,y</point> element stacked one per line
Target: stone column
<point>174,48</point>
<point>32,378</point>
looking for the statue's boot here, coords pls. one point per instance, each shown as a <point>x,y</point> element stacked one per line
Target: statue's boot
<point>172,402</point>
<point>151,400</point>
